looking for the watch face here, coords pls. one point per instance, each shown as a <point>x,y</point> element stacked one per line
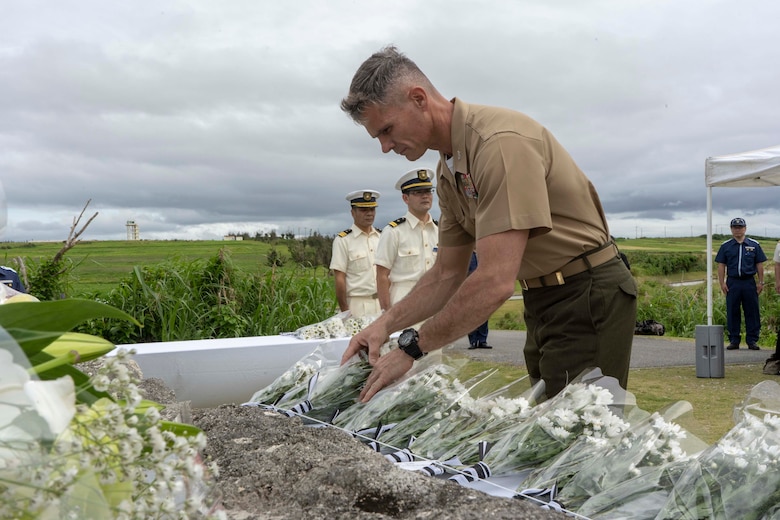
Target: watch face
<point>406,338</point>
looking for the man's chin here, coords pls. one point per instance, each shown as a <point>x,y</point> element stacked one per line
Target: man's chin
<point>411,155</point>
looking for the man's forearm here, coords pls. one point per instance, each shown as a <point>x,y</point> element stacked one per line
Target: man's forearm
<point>341,290</point>
<point>473,304</point>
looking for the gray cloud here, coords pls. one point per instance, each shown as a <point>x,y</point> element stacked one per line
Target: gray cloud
<point>198,119</point>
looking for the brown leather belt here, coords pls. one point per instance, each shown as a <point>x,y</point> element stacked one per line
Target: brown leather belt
<point>589,260</point>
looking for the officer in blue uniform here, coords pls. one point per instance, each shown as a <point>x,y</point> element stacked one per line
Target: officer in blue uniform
<point>739,260</point>
<point>10,278</point>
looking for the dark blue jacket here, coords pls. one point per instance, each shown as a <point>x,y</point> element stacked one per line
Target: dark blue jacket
<point>740,259</point>
<point>9,277</point>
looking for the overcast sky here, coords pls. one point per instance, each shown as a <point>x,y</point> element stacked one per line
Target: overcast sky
<point>199,118</point>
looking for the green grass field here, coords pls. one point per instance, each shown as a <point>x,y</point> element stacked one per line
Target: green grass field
<point>99,266</point>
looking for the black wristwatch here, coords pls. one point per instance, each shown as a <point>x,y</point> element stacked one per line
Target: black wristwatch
<point>407,342</point>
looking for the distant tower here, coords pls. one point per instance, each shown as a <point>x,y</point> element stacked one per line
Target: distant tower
<point>132,230</point>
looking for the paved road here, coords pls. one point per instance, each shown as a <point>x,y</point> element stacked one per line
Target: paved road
<point>648,351</point>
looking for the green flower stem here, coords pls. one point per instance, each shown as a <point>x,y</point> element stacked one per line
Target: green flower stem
<point>65,359</point>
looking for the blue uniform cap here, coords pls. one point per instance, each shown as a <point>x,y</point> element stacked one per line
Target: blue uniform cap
<point>738,222</point>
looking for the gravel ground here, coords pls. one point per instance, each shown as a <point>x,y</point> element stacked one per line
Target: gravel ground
<point>273,467</point>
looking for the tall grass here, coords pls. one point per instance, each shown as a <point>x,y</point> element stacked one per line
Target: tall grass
<point>201,299</point>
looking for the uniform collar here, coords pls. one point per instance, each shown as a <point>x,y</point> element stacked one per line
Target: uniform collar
<point>458,136</point>
<point>413,221</point>
<point>358,231</point>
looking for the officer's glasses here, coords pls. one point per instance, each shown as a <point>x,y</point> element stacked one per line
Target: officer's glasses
<point>421,192</point>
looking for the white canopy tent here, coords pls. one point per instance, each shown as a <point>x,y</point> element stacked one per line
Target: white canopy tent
<point>756,169</point>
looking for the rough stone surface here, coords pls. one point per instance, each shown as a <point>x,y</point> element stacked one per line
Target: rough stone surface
<point>273,467</point>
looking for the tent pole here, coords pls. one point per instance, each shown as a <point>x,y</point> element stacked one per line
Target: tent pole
<point>708,259</point>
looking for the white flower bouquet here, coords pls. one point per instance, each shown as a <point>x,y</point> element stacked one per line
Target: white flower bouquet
<point>639,498</point>
<point>295,379</point>
<point>331,390</point>
<point>443,405</point>
<point>341,325</point>
<point>397,402</point>
<point>648,444</point>
<point>739,476</point>
<point>354,325</point>
<point>484,419</point>
<point>579,409</point>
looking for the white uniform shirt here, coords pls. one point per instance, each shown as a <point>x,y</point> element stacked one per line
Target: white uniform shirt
<point>353,254</point>
<point>408,249</point>
<point>777,253</point>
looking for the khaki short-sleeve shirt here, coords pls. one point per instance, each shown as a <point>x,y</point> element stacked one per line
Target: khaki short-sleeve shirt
<point>509,172</point>
<point>353,254</point>
<point>408,249</point>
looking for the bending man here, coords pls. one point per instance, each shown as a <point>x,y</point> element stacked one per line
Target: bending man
<point>507,186</point>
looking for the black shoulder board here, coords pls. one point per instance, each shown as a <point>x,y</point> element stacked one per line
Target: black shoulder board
<point>436,222</point>
<point>397,221</point>
<point>345,232</point>
<point>379,230</point>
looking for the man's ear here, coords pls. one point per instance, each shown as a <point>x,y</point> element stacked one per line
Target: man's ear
<point>418,96</point>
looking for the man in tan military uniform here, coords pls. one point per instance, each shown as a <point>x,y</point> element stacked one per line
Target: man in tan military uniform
<point>407,248</point>
<point>352,260</point>
<point>506,184</point>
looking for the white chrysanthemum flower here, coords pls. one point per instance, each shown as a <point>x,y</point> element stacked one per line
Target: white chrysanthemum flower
<point>560,433</point>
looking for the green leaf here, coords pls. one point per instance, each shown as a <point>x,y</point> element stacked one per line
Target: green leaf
<point>32,341</point>
<point>59,315</point>
<point>180,429</point>
<point>89,347</point>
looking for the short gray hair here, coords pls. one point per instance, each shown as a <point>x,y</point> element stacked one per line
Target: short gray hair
<point>376,80</point>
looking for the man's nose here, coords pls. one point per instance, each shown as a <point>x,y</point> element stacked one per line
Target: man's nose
<point>386,143</point>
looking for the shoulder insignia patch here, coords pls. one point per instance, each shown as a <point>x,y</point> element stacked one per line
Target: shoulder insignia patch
<point>345,232</point>
<point>397,221</point>
<point>378,230</point>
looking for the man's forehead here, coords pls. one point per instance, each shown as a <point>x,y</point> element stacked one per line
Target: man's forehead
<point>376,118</point>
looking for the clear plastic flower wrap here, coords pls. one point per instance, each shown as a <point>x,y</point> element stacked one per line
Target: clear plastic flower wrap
<point>355,325</point>
<point>739,476</point>
<point>639,498</point>
<point>338,388</point>
<point>292,384</point>
<point>341,325</point>
<point>397,402</point>
<point>476,420</point>
<point>579,409</point>
<point>648,444</point>
<point>335,327</point>
<point>399,437</point>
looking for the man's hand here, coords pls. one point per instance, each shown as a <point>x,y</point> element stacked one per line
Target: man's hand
<point>387,370</point>
<point>371,338</point>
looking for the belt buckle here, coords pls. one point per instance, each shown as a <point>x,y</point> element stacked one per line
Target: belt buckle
<point>524,285</point>
<point>559,277</point>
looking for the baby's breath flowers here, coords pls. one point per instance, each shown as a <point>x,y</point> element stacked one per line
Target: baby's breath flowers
<point>115,459</point>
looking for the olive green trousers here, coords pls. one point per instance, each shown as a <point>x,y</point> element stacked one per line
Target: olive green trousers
<point>587,322</point>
